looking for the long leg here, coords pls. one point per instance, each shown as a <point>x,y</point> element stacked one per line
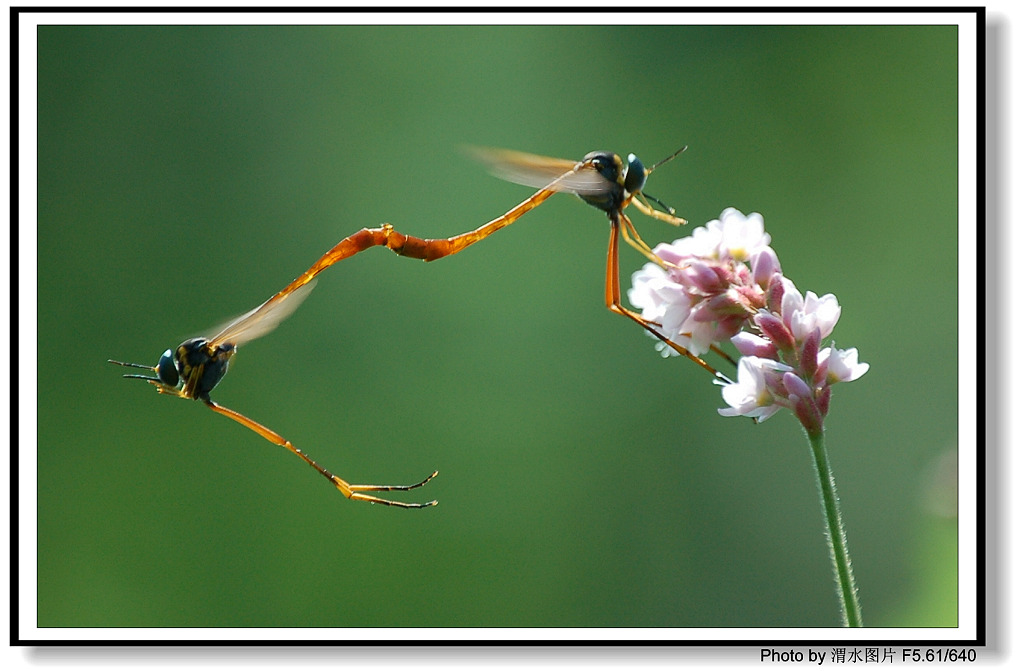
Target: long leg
<point>641,204</point>
<point>612,300</point>
<point>631,236</point>
<point>407,245</point>
<point>431,250</point>
<point>350,491</point>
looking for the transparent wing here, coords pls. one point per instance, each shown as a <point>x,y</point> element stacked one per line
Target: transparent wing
<point>263,319</point>
<point>540,172</point>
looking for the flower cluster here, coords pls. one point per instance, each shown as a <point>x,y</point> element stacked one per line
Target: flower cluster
<point>724,282</point>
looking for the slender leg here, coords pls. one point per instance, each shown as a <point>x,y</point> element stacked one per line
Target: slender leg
<point>431,250</point>
<point>641,204</point>
<point>612,300</point>
<point>407,245</point>
<point>632,237</point>
<point>350,491</point>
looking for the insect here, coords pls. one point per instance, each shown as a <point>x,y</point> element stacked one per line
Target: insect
<point>601,179</point>
<point>197,365</point>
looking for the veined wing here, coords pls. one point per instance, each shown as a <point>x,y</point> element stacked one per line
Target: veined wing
<point>541,172</point>
<point>263,319</point>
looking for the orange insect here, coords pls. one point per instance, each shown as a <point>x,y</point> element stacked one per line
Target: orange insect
<point>601,179</point>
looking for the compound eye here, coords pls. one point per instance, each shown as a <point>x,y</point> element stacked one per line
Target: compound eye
<point>636,175</point>
<point>167,369</point>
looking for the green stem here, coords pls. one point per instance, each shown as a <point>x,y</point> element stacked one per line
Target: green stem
<point>841,565</point>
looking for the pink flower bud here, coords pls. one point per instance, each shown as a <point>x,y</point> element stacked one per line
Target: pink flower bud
<point>807,414</point>
<point>776,290</point>
<point>776,331</point>
<point>750,344</point>
<point>765,264</point>
<point>703,277</point>
<point>809,354</point>
<point>823,400</point>
<point>796,387</point>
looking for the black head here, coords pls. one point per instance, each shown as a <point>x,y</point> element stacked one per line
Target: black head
<point>195,364</point>
<point>635,176</point>
<point>166,370</point>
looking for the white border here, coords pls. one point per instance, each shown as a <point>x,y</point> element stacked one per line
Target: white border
<point>967,315</point>
<point>362,18</point>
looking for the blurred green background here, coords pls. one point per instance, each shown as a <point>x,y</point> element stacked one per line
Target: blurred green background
<point>188,173</point>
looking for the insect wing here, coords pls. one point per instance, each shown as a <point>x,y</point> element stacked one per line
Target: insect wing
<point>263,319</point>
<point>541,172</point>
